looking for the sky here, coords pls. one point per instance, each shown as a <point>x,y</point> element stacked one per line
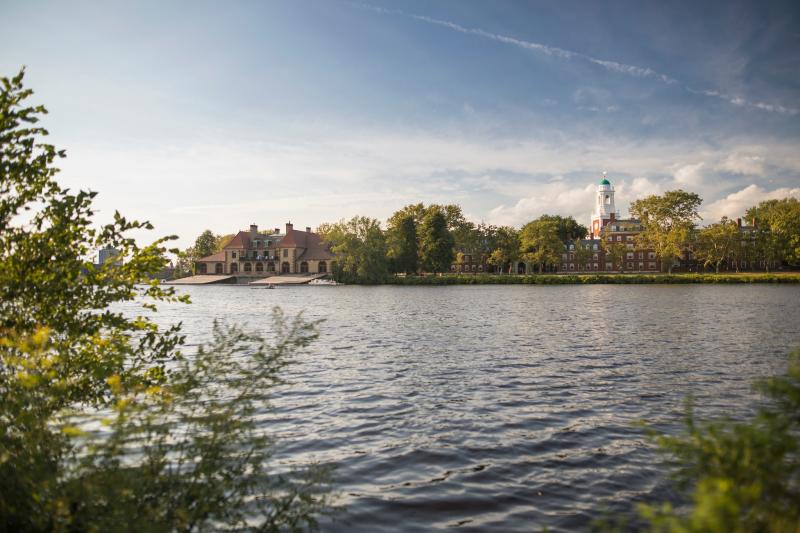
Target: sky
<point>214,115</point>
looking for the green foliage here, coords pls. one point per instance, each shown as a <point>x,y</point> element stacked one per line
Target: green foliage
<point>668,222</point>
<point>615,251</point>
<point>568,227</point>
<point>404,245</point>
<point>505,247</point>
<point>206,244</point>
<point>717,243</point>
<point>540,243</point>
<point>360,248</point>
<point>104,423</point>
<point>745,475</point>
<point>436,243</point>
<point>779,229</point>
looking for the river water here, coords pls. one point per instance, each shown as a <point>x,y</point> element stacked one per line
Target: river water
<point>503,408</point>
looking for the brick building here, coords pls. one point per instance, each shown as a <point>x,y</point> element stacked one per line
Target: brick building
<point>261,254</point>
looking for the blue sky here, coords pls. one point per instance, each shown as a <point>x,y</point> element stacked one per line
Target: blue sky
<point>214,115</point>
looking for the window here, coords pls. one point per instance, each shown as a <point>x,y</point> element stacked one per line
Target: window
<point>609,266</point>
<point>571,246</point>
<point>651,266</point>
<point>651,255</point>
<point>218,268</point>
<point>619,237</point>
<point>628,237</point>
<point>285,267</point>
<point>323,267</point>
<point>594,246</point>
<point>594,257</point>
<point>304,267</point>
<point>234,268</point>
<point>285,252</point>
<point>201,268</point>
<point>629,255</point>
<point>270,267</point>
<point>641,266</point>
<point>248,267</point>
<point>630,265</point>
<point>259,267</point>
<point>233,255</point>
<point>641,255</point>
<point>571,266</point>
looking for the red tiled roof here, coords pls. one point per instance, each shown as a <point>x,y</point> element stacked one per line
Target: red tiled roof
<point>294,239</point>
<point>315,248</point>
<point>219,256</point>
<point>241,240</point>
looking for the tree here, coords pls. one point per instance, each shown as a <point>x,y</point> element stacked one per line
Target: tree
<point>540,243</point>
<point>717,243</point>
<point>360,248</point>
<point>668,221</point>
<point>206,244</point>
<point>743,475</point>
<point>436,243</point>
<point>404,246</point>
<point>778,223</point>
<point>505,248</point>
<point>223,240</point>
<point>568,227</point>
<point>582,254</point>
<point>181,447</point>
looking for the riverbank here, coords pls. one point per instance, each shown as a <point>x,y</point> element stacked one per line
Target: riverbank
<point>579,279</point>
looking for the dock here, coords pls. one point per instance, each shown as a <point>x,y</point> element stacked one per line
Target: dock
<point>204,279</point>
<point>288,279</point>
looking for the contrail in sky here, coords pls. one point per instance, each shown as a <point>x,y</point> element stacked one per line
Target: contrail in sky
<point>613,66</point>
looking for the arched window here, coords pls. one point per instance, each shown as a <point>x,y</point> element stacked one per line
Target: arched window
<point>323,267</point>
<point>218,268</point>
<point>259,267</point>
<point>248,267</point>
<point>201,268</point>
<point>270,267</point>
<point>285,267</point>
<point>608,199</point>
<point>234,268</point>
<point>304,267</point>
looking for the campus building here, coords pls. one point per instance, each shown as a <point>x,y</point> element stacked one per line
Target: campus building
<point>606,225</point>
<point>259,254</point>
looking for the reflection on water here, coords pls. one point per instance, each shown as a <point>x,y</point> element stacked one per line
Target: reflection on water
<point>503,407</point>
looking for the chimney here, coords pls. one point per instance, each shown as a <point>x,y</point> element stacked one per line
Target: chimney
<point>739,222</point>
<point>288,227</point>
<point>308,229</point>
<point>253,229</point>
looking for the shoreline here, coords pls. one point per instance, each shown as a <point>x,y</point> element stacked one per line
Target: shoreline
<point>590,278</point>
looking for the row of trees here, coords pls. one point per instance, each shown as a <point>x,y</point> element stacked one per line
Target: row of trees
<point>434,237</point>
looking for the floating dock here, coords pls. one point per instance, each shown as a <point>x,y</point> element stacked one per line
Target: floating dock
<point>288,279</point>
<point>204,279</point>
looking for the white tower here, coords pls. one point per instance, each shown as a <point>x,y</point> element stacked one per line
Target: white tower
<point>603,207</point>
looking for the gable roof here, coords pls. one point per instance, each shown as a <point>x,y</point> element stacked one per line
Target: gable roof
<point>241,240</point>
<point>219,256</point>
<point>294,239</point>
<point>315,248</point>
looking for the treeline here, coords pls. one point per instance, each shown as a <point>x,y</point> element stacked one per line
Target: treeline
<point>430,239</point>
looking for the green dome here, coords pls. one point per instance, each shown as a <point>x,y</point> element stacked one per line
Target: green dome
<point>605,182</point>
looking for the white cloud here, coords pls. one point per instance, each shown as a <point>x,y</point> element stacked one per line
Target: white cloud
<point>744,164</point>
<point>689,175</point>
<point>735,204</point>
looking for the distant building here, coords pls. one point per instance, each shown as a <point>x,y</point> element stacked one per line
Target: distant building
<point>260,254</point>
<point>108,254</point>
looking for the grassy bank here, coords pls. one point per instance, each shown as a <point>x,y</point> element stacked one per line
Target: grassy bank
<point>563,279</point>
